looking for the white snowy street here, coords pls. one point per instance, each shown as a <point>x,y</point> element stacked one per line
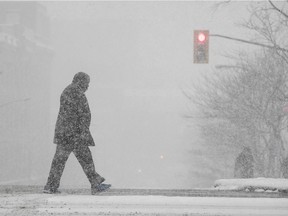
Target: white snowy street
<point>157,108</point>
<point>66,204</point>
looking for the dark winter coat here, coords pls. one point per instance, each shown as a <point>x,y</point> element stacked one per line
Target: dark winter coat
<point>73,122</point>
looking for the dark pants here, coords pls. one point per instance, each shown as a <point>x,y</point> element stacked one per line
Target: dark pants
<point>83,155</point>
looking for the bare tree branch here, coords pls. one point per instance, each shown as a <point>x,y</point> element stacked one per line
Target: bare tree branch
<point>277,9</point>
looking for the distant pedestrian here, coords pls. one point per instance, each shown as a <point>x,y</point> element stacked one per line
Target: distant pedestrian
<point>244,164</point>
<point>285,168</point>
<point>72,134</point>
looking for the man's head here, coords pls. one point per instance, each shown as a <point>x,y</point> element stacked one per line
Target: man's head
<point>82,80</point>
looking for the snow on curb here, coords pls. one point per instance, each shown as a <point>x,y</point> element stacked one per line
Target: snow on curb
<point>253,184</point>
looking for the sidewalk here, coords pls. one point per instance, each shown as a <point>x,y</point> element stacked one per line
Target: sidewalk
<point>67,204</point>
<point>203,192</point>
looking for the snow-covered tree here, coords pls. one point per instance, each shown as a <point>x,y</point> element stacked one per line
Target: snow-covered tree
<point>246,105</point>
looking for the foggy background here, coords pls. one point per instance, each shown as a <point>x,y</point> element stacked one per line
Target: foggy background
<point>139,56</point>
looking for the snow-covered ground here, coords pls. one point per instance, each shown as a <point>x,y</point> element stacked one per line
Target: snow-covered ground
<point>253,184</point>
<point>66,204</point>
<point>152,202</point>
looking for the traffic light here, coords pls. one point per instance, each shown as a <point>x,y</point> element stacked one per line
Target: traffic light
<point>201,46</point>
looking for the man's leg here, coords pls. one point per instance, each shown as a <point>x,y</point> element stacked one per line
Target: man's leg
<point>84,156</point>
<point>57,167</point>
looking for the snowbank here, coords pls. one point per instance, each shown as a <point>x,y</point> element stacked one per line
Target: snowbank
<point>253,184</point>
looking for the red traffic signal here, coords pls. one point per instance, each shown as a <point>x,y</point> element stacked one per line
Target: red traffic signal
<point>201,37</point>
<point>201,46</point>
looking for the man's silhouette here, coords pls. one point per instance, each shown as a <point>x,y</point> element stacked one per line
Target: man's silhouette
<point>72,134</point>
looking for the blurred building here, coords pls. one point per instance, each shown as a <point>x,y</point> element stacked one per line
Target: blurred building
<point>25,57</point>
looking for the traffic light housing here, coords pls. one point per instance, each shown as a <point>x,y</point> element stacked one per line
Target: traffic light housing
<point>201,46</point>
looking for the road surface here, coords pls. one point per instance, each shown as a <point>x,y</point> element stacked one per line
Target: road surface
<point>140,202</point>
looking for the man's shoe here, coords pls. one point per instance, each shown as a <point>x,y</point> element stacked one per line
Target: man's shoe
<point>100,188</point>
<point>51,191</point>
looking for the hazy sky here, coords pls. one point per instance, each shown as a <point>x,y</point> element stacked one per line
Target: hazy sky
<point>139,56</point>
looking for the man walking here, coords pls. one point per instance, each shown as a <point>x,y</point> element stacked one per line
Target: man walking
<point>72,134</point>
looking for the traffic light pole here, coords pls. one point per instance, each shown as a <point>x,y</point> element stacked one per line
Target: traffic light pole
<point>249,42</point>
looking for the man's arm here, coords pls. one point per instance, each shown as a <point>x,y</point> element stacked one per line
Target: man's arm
<point>84,115</point>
